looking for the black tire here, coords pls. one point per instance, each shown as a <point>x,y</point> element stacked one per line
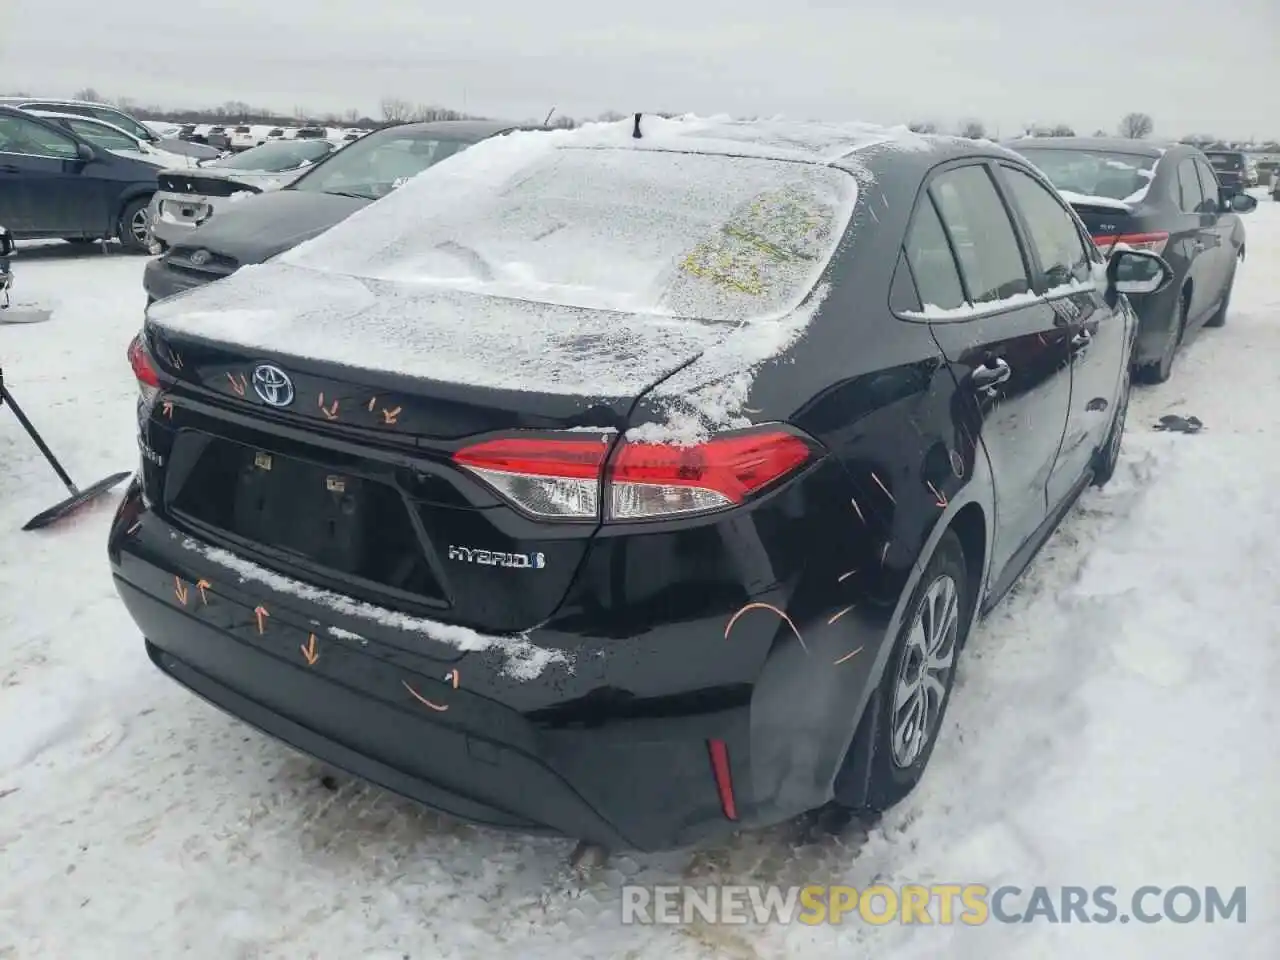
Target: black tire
<point>1105,460</point>
<point>1219,318</point>
<point>894,773</point>
<point>132,226</point>
<point>1159,370</point>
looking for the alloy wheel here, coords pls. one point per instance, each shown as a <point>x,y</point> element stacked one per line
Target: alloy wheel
<point>138,227</point>
<point>927,659</point>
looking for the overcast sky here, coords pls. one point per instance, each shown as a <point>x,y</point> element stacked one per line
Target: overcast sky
<point>1199,66</point>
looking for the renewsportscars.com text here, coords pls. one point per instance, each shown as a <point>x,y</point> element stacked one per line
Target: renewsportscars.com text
<point>939,903</point>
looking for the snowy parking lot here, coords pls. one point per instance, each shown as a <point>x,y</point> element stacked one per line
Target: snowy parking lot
<point>1115,721</point>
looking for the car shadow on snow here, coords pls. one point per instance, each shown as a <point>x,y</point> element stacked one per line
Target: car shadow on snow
<point>60,251</point>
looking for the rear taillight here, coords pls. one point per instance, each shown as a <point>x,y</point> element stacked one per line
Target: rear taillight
<point>143,370</point>
<point>1151,242</point>
<point>564,478</point>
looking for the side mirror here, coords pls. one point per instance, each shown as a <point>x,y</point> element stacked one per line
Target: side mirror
<point>1242,203</point>
<point>1137,272</point>
<point>85,152</point>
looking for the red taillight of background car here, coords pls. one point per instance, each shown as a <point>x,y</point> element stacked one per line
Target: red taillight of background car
<point>1152,242</point>
<point>564,478</point>
<point>143,369</point>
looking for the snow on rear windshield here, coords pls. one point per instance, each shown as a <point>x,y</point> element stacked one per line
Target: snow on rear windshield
<point>643,231</point>
<point>1095,173</point>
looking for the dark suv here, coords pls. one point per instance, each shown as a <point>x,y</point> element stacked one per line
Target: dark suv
<point>1232,169</point>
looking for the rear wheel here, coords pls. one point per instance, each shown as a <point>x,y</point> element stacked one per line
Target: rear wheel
<point>913,694</point>
<point>1219,319</point>
<point>133,226</point>
<point>1158,371</point>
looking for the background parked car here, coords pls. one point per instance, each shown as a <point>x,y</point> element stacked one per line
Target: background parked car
<point>260,227</point>
<point>1232,168</point>
<point>109,137</point>
<point>116,118</point>
<point>54,183</point>
<point>1166,199</point>
<point>528,435</point>
<point>186,198</point>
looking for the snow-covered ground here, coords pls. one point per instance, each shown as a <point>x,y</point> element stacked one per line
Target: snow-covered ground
<point>1115,721</point>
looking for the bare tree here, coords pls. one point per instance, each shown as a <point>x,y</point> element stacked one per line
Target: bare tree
<point>1135,126</point>
<point>1101,133</point>
<point>922,126</point>
<point>611,116</point>
<point>1061,130</point>
<point>351,117</point>
<point>973,130</point>
<point>395,110</point>
<point>90,95</point>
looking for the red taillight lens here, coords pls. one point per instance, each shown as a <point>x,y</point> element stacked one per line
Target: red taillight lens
<point>563,478</point>
<point>143,370</point>
<point>557,479</point>
<point>658,480</point>
<point>1152,242</point>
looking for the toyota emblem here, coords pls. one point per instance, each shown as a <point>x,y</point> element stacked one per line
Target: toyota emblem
<point>200,258</point>
<point>273,385</point>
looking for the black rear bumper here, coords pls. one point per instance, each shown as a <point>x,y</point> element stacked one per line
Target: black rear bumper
<point>394,717</point>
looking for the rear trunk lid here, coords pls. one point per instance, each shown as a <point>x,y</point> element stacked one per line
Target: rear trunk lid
<point>317,439</point>
<point>1113,223</point>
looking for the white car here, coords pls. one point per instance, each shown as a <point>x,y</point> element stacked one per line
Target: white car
<point>188,198</point>
<point>112,138</point>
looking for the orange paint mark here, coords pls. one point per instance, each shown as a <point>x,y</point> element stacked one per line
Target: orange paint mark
<point>847,657</point>
<point>454,676</point>
<point>239,386</point>
<point>939,498</point>
<point>421,699</point>
<point>261,613</point>
<point>180,591</point>
<point>373,402</point>
<point>884,488</point>
<point>772,609</point>
<point>845,576</point>
<point>389,416</point>
<point>167,409</point>
<point>838,615</point>
<point>202,586</point>
<point>330,412</point>
<point>309,650</point>
<point>858,510</point>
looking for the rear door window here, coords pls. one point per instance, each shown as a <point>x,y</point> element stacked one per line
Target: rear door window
<point>931,261</point>
<point>1062,253</point>
<point>1210,187</point>
<point>1190,194</point>
<point>991,261</point>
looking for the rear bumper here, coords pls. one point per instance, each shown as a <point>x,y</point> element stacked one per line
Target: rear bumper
<point>160,281</point>
<point>595,751</point>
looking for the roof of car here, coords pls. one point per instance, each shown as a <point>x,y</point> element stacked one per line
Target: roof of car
<point>62,100</point>
<point>463,128</point>
<point>1143,148</point>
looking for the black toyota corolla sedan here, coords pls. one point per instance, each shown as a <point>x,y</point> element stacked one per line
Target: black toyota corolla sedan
<point>634,485</point>
<point>1165,199</point>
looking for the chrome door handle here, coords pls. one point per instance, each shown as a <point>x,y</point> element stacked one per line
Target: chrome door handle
<point>991,373</point>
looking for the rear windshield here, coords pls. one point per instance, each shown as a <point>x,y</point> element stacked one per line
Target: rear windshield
<point>1094,173</point>
<point>276,157</point>
<point>641,231</point>
<point>243,130</point>
<point>1226,161</point>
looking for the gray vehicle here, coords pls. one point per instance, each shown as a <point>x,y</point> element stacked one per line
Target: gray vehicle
<point>188,198</point>
<point>259,227</point>
<point>116,118</point>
